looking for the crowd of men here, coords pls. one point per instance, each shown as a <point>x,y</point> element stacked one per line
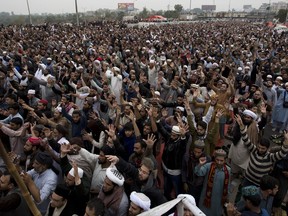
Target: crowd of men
<point>110,120</point>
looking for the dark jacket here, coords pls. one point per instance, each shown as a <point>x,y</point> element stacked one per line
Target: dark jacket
<point>148,187</point>
<point>79,195</point>
<point>174,150</point>
<point>67,211</point>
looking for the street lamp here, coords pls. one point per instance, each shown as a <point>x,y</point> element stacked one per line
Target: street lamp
<point>77,15</point>
<point>30,19</point>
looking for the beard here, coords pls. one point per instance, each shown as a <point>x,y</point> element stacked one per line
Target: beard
<point>107,193</point>
<point>245,122</point>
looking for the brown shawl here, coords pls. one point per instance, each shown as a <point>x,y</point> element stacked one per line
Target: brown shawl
<point>112,200</point>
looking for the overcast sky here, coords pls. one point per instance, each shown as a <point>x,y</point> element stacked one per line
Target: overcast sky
<point>63,6</point>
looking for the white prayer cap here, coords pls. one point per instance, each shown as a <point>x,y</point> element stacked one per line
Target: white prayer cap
<point>152,61</point>
<point>31,91</point>
<point>59,109</point>
<point>279,78</point>
<point>176,130</point>
<point>157,93</point>
<point>239,69</point>
<point>141,200</point>
<point>115,176</point>
<point>190,198</point>
<point>80,172</point>
<point>108,73</point>
<point>180,108</point>
<point>250,113</point>
<point>116,69</point>
<point>49,59</point>
<point>269,76</point>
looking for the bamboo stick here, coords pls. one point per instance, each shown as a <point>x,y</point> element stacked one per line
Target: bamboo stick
<point>13,171</point>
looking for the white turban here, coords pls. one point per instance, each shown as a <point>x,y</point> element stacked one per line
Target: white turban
<point>115,176</point>
<point>250,113</point>
<point>80,172</point>
<point>180,108</point>
<point>59,109</point>
<point>141,200</point>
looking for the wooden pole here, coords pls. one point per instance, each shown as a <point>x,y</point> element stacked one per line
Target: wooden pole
<point>13,171</point>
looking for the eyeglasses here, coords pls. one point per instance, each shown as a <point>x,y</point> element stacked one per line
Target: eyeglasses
<point>143,171</point>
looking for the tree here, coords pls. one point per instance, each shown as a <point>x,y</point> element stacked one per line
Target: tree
<point>282,14</point>
<point>178,8</point>
<point>143,13</point>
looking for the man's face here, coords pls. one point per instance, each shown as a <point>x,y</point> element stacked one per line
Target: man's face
<point>108,185</point>
<point>223,87</point>
<point>134,209</point>
<point>261,150</point>
<point>105,88</point>
<point>214,102</point>
<point>8,101</point>
<point>76,118</point>
<point>4,182</point>
<point>27,147</point>
<point>179,100</point>
<point>138,150</point>
<point>174,136</point>
<point>57,114</point>
<point>14,126</point>
<point>200,130</point>
<point>128,133</point>
<point>39,168</point>
<point>12,111</point>
<point>147,130</point>
<point>247,119</point>
<point>220,161</point>
<point>102,159</point>
<point>41,106</point>
<point>57,201</point>
<point>144,173</point>
<point>275,190</point>
<point>89,212</point>
<point>127,110</point>
<point>69,180</point>
<point>197,152</point>
<point>269,83</point>
<point>64,100</point>
<point>257,95</point>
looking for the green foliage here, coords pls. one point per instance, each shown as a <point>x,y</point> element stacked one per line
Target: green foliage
<point>144,13</point>
<point>282,14</point>
<point>178,8</point>
<point>171,14</point>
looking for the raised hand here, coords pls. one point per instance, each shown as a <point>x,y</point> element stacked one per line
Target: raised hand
<point>151,139</point>
<point>112,159</point>
<point>202,161</point>
<point>65,148</point>
<point>111,131</point>
<point>183,129</point>
<point>240,122</point>
<point>164,113</point>
<point>47,132</point>
<point>263,108</point>
<point>187,105</point>
<point>219,113</point>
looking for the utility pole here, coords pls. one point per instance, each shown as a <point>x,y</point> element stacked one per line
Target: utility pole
<point>77,15</point>
<point>190,5</point>
<point>30,19</point>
